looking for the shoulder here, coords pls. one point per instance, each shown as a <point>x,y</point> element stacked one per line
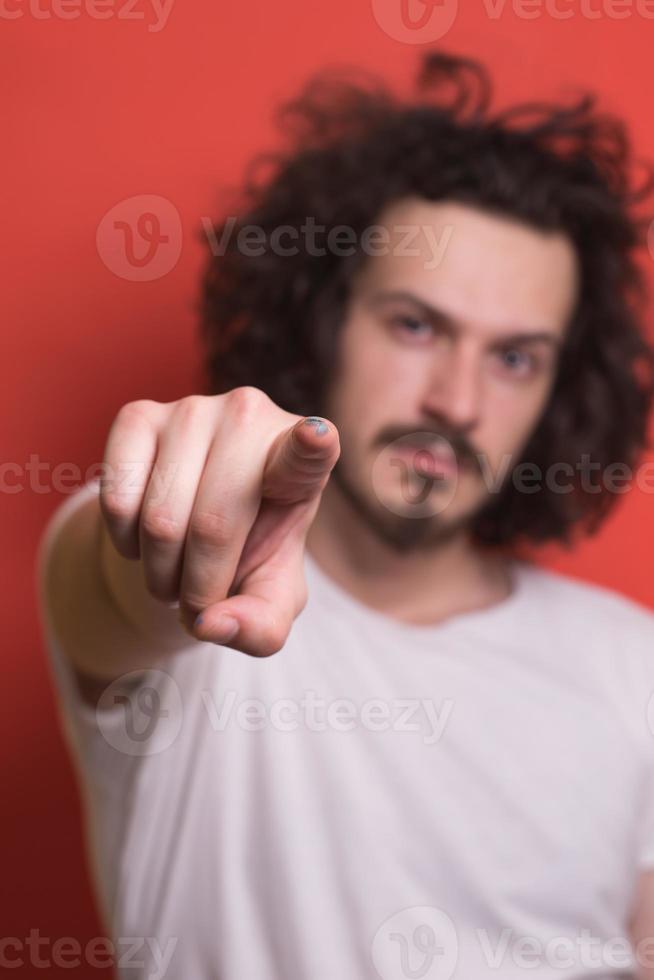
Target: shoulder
<point>607,632</point>
<point>596,605</point>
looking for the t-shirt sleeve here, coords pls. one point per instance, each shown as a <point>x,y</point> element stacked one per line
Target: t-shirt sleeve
<point>645,841</point>
<point>637,646</point>
<point>109,745</point>
<point>78,719</point>
<point>619,638</point>
<point>645,854</point>
<point>103,740</point>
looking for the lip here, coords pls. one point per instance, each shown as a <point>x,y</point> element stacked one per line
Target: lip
<point>428,462</point>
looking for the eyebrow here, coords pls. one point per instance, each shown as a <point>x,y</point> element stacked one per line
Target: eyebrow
<point>519,336</point>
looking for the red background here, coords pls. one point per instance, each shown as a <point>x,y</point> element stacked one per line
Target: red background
<point>97,111</point>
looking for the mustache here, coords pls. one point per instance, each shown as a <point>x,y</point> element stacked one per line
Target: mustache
<point>422,435</point>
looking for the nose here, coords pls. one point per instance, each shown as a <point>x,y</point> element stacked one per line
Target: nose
<point>454,388</point>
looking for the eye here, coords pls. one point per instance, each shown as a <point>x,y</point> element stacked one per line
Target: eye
<point>517,362</point>
<point>413,326</point>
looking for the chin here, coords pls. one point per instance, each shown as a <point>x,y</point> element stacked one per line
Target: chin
<point>405,535</point>
<point>397,524</point>
<point>424,521</point>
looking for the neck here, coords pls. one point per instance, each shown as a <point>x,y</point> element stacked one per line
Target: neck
<point>422,586</point>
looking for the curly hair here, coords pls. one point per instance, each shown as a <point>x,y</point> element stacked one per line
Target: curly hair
<point>350,148</point>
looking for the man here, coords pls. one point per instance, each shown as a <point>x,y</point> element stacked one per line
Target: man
<point>329,720</point>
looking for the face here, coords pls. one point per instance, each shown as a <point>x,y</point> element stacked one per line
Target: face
<point>447,356</point>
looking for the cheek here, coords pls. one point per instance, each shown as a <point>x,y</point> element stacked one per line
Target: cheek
<point>353,395</point>
<point>510,421</point>
<point>394,375</point>
<point>370,378</point>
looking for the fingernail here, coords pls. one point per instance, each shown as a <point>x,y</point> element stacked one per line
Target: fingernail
<point>224,629</point>
<point>318,424</point>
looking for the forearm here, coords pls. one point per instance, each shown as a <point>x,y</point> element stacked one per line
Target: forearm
<point>107,622</point>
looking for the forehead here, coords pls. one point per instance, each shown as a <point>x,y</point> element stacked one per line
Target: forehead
<point>476,266</point>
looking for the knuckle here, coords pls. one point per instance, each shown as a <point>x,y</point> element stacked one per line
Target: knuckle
<point>157,525</point>
<point>246,400</point>
<point>210,528</point>
<point>116,507</point>
<point>191,603</point>
<point>191,406</point>
<point>143,409</point>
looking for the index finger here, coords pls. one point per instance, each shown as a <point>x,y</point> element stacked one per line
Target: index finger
<point>300,460</point>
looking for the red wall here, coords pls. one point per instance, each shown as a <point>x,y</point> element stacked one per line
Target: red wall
<point>100,110</point>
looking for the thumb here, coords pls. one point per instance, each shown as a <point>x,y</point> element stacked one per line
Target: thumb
<point>300,460</point>
<point>258,620</point>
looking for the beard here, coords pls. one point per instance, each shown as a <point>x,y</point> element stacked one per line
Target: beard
<point>402,534</point>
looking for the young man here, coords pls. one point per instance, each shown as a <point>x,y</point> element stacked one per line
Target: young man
<point>446,769</point>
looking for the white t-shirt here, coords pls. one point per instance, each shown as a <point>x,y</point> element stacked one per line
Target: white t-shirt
<point>472,799</point>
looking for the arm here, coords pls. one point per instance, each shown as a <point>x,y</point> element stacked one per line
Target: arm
<point>106,620</point>
<point>225,537</point>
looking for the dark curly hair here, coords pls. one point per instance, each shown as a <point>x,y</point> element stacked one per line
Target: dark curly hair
<point>351,147</point>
